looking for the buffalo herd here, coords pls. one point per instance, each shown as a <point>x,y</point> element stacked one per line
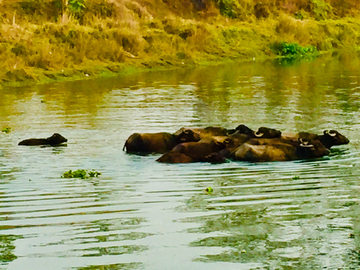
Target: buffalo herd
<point>218,145</point>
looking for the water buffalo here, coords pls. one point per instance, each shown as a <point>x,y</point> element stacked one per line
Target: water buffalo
<point>194,151</point>
<point>176,157</point>
<point>262,132</point>
<point>328,138</point>
<point>208,131</point>
<point>55,139</point>
<point>279,151</point>
<point>331,138</point>
<point>161,142</point>
<point>242,129</point>
<point>242,135</point>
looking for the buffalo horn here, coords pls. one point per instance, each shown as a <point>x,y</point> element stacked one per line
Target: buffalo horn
<point>259,134</point>
<point>306,144</point>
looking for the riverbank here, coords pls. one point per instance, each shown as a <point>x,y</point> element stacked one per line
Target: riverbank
<point>50,40</point>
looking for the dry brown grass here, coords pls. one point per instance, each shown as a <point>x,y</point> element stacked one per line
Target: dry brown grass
<point>36,36</point>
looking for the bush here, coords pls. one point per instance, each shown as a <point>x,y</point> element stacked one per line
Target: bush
<point>294,50</point>
<point>320,9</point>
<point>228,8</point>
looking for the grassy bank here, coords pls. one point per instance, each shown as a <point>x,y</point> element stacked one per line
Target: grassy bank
<point>53,40</point>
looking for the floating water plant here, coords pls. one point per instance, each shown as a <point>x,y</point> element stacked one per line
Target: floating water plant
<point>6,130</point>
<point>209,190</point>
<point>81,173</point>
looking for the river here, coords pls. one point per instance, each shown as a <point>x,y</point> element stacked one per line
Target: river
<point>140,214</point>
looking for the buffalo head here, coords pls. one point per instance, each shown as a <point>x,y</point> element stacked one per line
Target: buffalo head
<point>264,132</point>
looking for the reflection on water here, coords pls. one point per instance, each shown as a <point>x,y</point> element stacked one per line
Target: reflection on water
<point>140,214</point>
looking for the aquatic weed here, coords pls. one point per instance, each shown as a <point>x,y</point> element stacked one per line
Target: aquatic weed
<point>81,173</point>
<point>209,190</point>
<point>6,130</point>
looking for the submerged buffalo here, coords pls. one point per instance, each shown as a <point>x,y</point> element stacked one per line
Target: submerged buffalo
<point>279,150</point>
<point>243,135</point>
<point>329,138</point>
<point>55,139</point>
<point>262,132</point>
<point>208,131</point>
<point>161,142</point>
<point>193,151</point>
<point>265,132</point>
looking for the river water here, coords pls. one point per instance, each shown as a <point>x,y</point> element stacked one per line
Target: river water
<point>139,214</point>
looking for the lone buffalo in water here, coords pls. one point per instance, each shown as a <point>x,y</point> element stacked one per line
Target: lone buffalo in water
<point>161,142</point>
<point>55,139</point>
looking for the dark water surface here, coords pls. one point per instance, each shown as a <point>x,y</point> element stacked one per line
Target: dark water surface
<point>140,214</point>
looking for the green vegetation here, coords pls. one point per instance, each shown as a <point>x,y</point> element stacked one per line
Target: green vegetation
<point>81,173</point>
<point>294,50</point>
<point>53,40</point>
<point>7,248</point>
<point>6,130</point>
<point>209,190</point>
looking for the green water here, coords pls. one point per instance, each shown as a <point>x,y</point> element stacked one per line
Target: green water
<point>139,214</point>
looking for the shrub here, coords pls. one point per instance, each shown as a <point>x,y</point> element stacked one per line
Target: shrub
<point>294,50</point>
<point>228,8</point>
<point>320,9</point>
